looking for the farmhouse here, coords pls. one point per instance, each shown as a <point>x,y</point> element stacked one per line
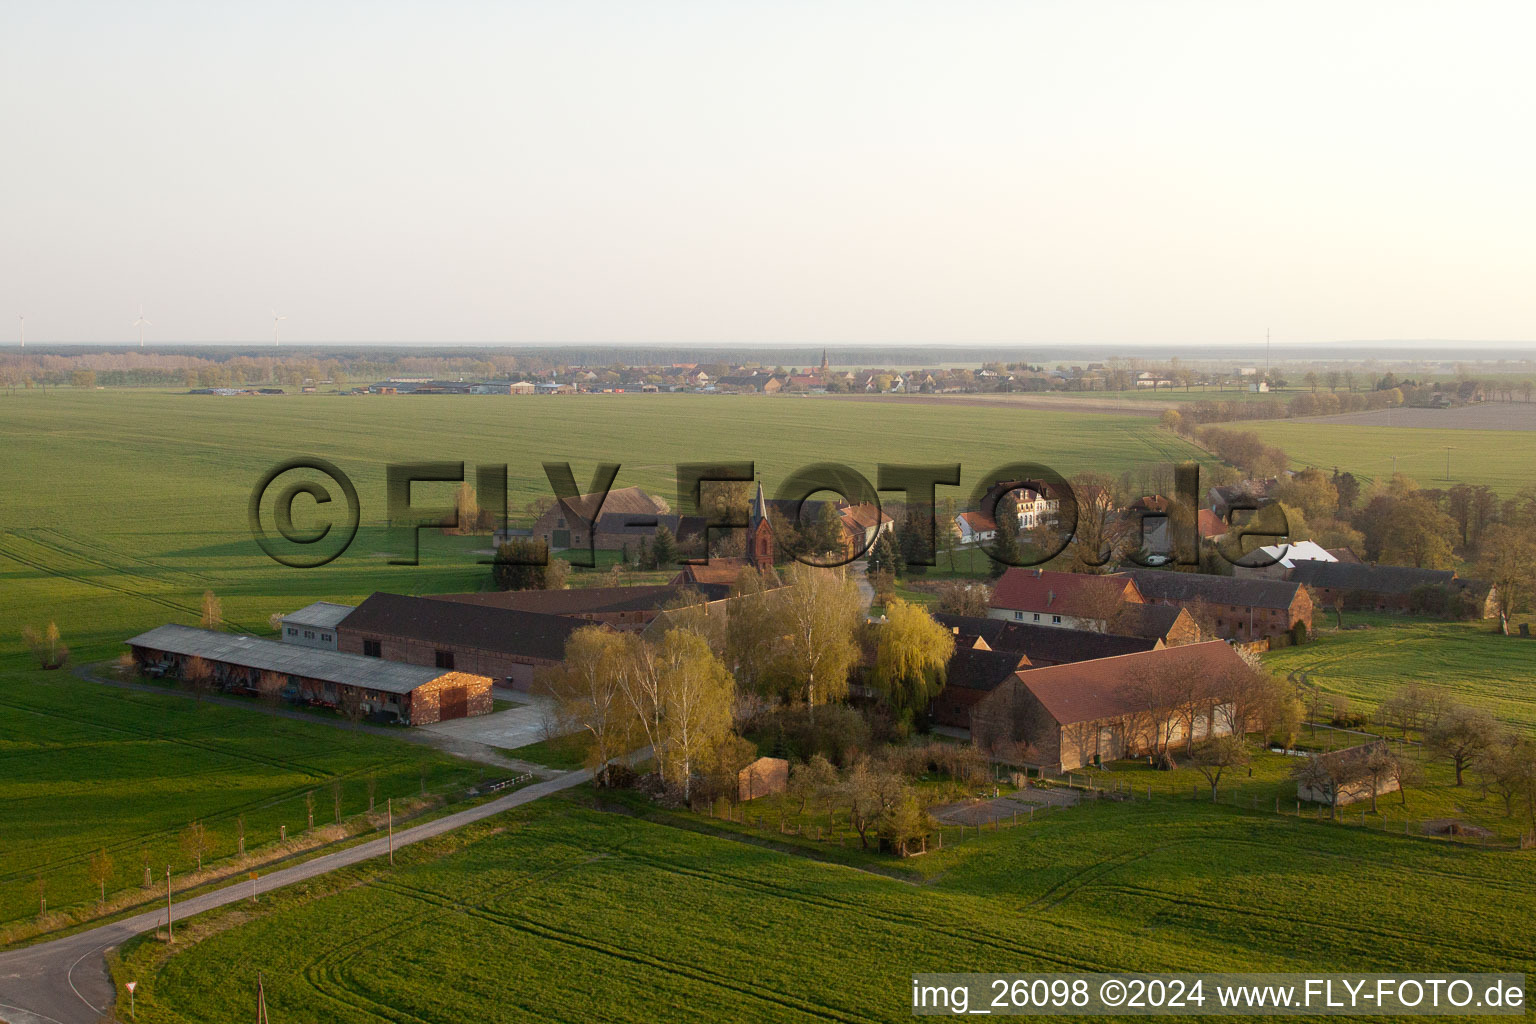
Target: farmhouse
<point>1387,588</point>
<point>568,523</point>
<point>971,674</point>
<point>1346,776</point>
<point>314,625</point>
<point>1234,609</point>
<point>502,643</point>
<point>1042,645</point>
<point>1063,717</point>
<point>1169,624</point>
<point>975,528</point>
<point>411,694</point>
<point>1279,559</point>
<point>1070,599</point>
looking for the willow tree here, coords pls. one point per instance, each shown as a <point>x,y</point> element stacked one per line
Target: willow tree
<point>912,653</point>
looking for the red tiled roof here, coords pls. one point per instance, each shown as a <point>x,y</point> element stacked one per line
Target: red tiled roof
<point>1087,691</point>
<point>1209,524</point>
<point>979,522</point>
<point>1036,590</point>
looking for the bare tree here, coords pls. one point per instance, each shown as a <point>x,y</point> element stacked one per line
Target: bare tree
<point>336,799</point>
<point>1381,765</point>
<point>1214,756</point>
<point>212,611</point>
<point>1316,773</point>
<point>99,871</point>
<point>1412,708</point>
<point>195,842</point>
<point>1460,735</point>
<point>199,676</point>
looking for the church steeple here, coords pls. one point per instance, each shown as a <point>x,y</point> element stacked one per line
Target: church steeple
<point>759,506</point>
<point>760,545</point>
<point>823,360</point>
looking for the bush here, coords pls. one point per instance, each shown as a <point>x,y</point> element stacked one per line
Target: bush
<point>961,762</point>
<point>837,732</point>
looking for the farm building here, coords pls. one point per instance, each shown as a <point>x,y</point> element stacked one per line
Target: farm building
<point>503,643</point>
<point>314,625</point>
<point>971,674</point>
<point>1169,624</point>
<point>1347,776</point>
<point>630,608</point>
<point>1063,717</point>
<point>1043,645</point>
<point>1235,609</point>
<point>1387,588</point>
<point>569,522</point>
<point>1068,599</point>
<point>410,694</point>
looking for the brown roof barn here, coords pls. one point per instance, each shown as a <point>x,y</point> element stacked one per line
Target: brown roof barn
<point>502,643</point>
<point>1065,716</point>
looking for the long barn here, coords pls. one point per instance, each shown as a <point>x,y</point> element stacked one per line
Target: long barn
<point>412,694</point>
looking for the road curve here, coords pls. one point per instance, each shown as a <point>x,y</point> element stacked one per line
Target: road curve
<point>65,981</point>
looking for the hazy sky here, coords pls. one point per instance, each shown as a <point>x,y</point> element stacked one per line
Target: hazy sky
<point>570,171</point>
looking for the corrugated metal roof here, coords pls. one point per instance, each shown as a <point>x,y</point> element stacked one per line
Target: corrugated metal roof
<point>324,614</point>
<point>289,659</point>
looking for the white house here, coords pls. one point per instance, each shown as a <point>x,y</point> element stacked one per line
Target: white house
<point>314,625</point>
<point>975,528</point>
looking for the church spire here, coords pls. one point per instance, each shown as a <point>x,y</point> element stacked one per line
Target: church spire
<point>759,506</point>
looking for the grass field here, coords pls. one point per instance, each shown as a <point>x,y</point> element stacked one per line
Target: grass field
<point>124,506</point>
<point>557,912</point>
<point>1468,660</point>
<point>1505,460</point>
<point>85,767</point>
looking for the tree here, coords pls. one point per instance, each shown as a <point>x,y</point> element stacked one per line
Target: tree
<point>1509,563</point>
<point>664,549</point>
<point>99,871</point>
<point>199,675</point>
<point>912,654</point>
<point>269,687</point>
<point>467,509</point>
<point>946,534</point>
<point>588,690</point>
<point>521,564</point>
<point>1213,756</point>
<point>46,645</point>
<point>1381,765</point>
<point>751,632</point>
<point>83,378</point>
<point>903,822</point>
<point>696,694</point>
<point>195,842</point>
<point>213,613</point>
<point>1504,766</point>
<point>812,781</point>
<point>914,546</point>
<point>883,557</point>
<point>959,597</point>
<point>819,613</point>
<point>869,790</point>
<point>556,573</point>
<point>1315,773</point>
<point>1460,735</point>
<point>1412,708</point>
<point>1417,533</point>
<point>1006,550</point>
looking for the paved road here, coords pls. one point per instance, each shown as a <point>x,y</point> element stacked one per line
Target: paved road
<point>65,981</point>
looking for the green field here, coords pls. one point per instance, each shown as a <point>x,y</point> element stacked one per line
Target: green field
<point>556,912</point>
<point>1468,660</point>
<point>122,507</point>
<point>85,767</point>
<point>1505,460</point>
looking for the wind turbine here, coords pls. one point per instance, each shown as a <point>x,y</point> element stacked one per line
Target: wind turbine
<point>275,319</point>
<point>141,323</point>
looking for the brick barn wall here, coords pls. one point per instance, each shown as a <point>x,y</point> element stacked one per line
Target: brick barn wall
<point>501,668</point>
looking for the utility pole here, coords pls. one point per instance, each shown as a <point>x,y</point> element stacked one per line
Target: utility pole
<point>170,932</point>
<point>261,1000</point>
<point>389,810</point>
